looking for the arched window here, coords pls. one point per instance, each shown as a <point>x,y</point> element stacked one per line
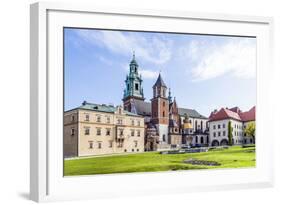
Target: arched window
<point>164,138</point>
<point>195,125</point>
<point>201,125</point>
<point>202,140</point>
<point>163,113</point>
<point>196,139</point>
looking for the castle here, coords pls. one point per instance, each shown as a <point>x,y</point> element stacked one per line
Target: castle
<point>157,124</point>
<point>167,125</point>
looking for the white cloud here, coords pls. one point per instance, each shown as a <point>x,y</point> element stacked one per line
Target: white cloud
<point>148,74</point>
<point>154,50</point>
<point>236,57</point>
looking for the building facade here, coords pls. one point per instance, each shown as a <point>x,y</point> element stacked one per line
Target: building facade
<point>229,124</point>
<point>94,129</point>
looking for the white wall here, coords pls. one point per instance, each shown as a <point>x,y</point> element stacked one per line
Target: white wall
<point>14,89</point>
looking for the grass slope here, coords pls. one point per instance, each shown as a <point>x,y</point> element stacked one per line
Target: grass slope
<point>234,157</point>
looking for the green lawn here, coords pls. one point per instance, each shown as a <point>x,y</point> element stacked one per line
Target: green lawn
<point>234,157</point>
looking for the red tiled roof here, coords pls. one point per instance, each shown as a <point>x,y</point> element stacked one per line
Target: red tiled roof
<point>224,114</point>
<point>233,113</point>
<point>235,109</point>
<point>249,115</point>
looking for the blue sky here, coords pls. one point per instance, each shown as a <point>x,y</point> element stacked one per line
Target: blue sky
<point>204,72</point>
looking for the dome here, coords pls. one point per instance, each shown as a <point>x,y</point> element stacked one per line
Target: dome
<point>187,125</point>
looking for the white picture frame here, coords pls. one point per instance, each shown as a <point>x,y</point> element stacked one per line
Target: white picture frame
<point>46,178</point>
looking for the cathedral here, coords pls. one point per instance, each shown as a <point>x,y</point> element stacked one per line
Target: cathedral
<point>166,125</point>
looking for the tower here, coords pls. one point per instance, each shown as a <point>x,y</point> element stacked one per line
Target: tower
<point>134,89</point>
<point>160,109</point>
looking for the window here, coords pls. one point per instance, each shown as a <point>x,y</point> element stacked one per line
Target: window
<point>163,104</point>
<point>98,118</point>
<point>98,131</point>
<point>138,133</point>
<point>164,93</point>
<point>119,121</point>
<point>219,134</point>
<point>214,127</point>
<point>164,138</point>
<point>214,134</point>
<point>110,144</point>
<point>120,144</point>
<point>107,131</point>
<point>132,122</point>
<point>132,133</point>
<point>133,150</point>
<point>202,140</point>
<point>99,145</point>
<point>137,86</point>
<point>136,143</point>
<point>138,123</point>
<point>163,113</point>
<point>121,132</point>
<point>72,132</point>
<point>72,118</point>
<point>196,139</point>
<point>219,126</point>
<point>87,117</point>
<point>108,119</point>
<point>223,133</point>
<point>87,131</point>
<point>223,125</point>
<point>90,144</point>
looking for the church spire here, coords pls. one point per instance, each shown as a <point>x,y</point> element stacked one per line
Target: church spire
<point>134,65</point>
<point>133,81</point>
<point>170,96</point>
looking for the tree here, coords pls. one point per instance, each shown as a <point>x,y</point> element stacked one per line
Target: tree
<point>250,130</point>
<point>230,136</point>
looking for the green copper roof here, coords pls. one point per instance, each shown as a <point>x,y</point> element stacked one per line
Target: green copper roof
<point>103,108</point>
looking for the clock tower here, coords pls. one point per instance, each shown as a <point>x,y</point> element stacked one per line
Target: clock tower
<point>134,89</point>
<point>160,109</point>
